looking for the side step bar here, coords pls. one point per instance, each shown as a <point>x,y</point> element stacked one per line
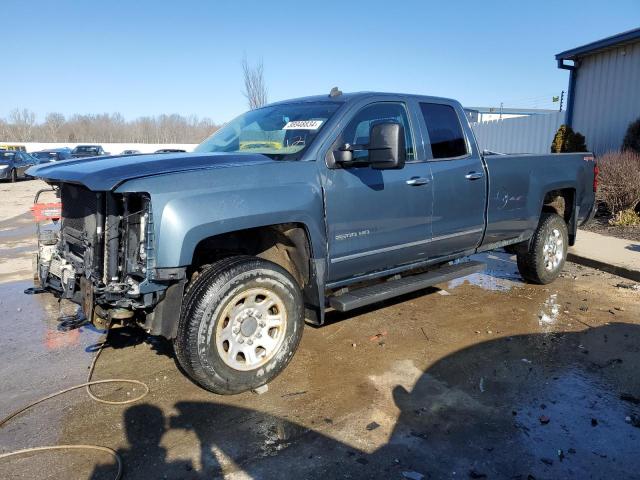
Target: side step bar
<point>393,288</point>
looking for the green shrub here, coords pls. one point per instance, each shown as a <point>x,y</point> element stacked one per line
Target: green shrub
<point>619,180</point>
<point>566,140</point>
<point>625,218</point>
<point>632,137</point>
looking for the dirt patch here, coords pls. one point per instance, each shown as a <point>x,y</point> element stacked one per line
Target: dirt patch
<point>17,198</point>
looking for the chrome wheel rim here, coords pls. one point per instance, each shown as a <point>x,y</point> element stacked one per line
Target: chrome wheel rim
<point>251,329</point>
<point>553,250</point>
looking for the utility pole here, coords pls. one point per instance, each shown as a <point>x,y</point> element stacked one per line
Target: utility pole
<point>500,110</point>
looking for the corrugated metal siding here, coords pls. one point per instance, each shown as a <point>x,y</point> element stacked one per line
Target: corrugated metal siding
<point>607,96</point>
<point>532,134</point>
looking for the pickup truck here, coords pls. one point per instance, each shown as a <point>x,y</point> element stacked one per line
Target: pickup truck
<point>84,151</point>
<point>348,200</point>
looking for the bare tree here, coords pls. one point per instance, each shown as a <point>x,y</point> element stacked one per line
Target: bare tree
<point>23,122</point>
<point>5,130</point>
<point>53,122</point>
<point>255,89</point>
<point>21,126</point>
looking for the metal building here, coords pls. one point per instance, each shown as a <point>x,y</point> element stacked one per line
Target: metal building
<point>604,88</point>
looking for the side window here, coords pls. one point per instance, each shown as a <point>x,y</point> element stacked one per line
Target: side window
<point>357,131</point>
<point>445,131</point>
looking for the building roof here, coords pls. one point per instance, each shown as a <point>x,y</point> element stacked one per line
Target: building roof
<point>603,44</point>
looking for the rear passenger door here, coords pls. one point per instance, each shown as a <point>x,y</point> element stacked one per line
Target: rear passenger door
<point>459,180</point>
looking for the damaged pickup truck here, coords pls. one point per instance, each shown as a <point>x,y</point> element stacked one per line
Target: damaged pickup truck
<point>326,202</point>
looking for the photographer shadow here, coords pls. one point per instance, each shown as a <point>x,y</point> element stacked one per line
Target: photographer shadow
<point>548,405</point>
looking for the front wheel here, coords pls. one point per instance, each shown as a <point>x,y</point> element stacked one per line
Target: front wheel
<point>542,262</point>
<point>241,323</point>
<point>14,176</point>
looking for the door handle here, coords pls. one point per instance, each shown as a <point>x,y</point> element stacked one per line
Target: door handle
<point>474,175</point>
<point>417,181</point>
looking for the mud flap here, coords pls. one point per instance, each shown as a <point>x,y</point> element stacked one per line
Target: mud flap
<point>86,292</point>
<point>166,314</point>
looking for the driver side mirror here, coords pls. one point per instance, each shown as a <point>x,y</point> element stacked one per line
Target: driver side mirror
<point>386,148</point>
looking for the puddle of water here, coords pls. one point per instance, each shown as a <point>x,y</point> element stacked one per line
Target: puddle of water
<point>35,357</point>
<point>10,223</point>
<point>586,425</point>
<point>278,435</point>
<point>21,232</point>
<point>13,252</point>
<point>501,273</point>
<point>549,313</point>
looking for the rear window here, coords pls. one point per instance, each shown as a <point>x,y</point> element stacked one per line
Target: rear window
<point>445,131</point>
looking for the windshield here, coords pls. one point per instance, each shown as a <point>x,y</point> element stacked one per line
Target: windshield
<point>44,155</point>
<point>85,150</point>
<point>281,132</point>
<point>6,156</point>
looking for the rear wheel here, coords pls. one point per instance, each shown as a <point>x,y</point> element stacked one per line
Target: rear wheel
<point>542,262</point>
<point>241,323</point>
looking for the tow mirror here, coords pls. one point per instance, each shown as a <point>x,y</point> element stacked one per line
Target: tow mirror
<point>386,148</point>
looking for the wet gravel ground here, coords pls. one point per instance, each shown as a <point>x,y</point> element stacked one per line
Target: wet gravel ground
<point>484,377</point>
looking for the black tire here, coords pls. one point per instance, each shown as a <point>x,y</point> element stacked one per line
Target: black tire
<point>534,264</point>
<point>14,176</point>
<point>198,346</point>
<point>511,249</point>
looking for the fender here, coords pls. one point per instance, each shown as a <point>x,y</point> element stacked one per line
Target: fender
<point>192,206</point>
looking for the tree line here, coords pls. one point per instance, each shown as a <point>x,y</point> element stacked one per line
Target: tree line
<point>22,126</point>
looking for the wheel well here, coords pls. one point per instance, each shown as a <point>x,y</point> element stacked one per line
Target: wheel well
<point>284,244</point>
<point>560,202</point>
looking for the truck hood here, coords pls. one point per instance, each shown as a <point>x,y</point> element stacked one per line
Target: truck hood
<point>106,173</point>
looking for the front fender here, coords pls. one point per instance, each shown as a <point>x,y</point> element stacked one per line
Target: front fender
<point>191,206</point>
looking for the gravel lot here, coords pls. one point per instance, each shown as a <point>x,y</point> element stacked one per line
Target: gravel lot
<point>484,377</point>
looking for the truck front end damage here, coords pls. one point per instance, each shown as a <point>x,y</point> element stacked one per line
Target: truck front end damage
<point>102,256</point>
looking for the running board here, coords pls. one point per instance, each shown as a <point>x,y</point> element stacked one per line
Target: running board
<point>393,288</point>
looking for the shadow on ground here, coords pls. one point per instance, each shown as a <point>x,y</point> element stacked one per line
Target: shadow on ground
<point>563,405</point>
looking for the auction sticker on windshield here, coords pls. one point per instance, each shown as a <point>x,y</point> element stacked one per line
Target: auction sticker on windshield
<point>303,125</point>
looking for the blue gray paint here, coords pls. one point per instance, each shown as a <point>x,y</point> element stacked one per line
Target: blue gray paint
<point>358,220</point>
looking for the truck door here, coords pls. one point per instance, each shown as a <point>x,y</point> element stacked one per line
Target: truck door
<point>459,180</point>
<point>376,219</point>
<point>20,164</point>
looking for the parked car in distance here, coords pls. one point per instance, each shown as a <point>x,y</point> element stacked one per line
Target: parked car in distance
<point>14,163</point>
<point>82,151</point>
<point>14,148</point>
<point>52,155</point>
<point>362,198</point>
<point>170,150</point>
<point>131,152</point>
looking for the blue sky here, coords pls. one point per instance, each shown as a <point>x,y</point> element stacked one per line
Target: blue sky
<point>149,57</point>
